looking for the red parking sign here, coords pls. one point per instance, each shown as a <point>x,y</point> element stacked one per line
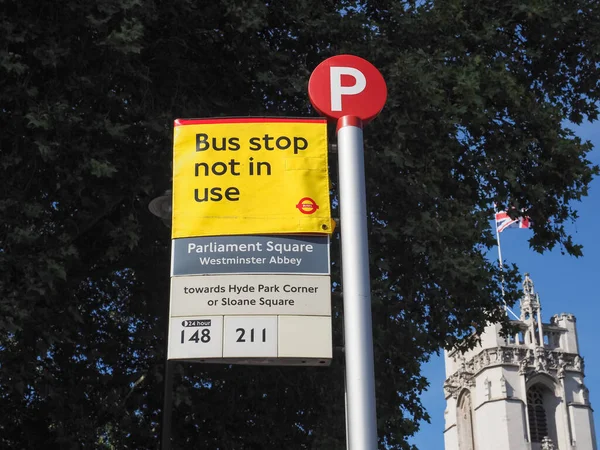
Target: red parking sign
<point>346,85</point>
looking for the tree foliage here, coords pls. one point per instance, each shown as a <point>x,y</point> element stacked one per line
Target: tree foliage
<point>479,92</point>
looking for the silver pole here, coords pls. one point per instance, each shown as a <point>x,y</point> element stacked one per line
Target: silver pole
<point>346,414</point>
<point>358,331</point>
<point>500,260</point>
<point>506,308</point>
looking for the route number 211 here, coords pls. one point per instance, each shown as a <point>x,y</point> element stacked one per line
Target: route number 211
<point>242,335</point>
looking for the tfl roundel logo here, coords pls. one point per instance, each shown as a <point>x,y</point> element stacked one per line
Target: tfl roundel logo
<point>307,205</point>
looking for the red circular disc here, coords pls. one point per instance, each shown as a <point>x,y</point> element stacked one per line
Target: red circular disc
<point>346,85</point>
<point>307,205</point>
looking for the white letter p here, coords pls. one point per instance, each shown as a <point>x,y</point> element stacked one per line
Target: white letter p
<point>337,90</point>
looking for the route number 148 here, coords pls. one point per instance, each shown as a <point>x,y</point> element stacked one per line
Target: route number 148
<point>198,336</point>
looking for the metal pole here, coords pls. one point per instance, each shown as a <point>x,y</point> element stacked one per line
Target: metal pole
<point>506,308</point>
<point>167,408</point>
<point>500,259</point>
<point>358,331</point>
<point>346,413</point>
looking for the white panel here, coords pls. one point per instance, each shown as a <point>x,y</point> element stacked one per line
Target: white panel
<point>250,337</point>
<point>195,337</point>
<point>308,295</point>
<point>305,337</point>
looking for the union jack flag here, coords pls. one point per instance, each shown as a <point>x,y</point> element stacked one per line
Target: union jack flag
<point>504,221</point>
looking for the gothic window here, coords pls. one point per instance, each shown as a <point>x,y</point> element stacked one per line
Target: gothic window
<point>465,422</point>
<point>538,423</point>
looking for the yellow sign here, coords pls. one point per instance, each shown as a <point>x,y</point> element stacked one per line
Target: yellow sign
<point>250,176</point>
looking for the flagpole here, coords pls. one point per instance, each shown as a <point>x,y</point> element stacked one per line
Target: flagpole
<point>506,308</point>
<point>500,258</point>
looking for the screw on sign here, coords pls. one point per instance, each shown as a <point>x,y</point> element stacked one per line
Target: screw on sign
<point>346,85</point>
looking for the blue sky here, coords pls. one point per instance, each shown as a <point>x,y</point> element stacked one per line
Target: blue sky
<point>564,283</point>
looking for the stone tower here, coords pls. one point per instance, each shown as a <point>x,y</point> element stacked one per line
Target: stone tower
<point>525,392</point>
